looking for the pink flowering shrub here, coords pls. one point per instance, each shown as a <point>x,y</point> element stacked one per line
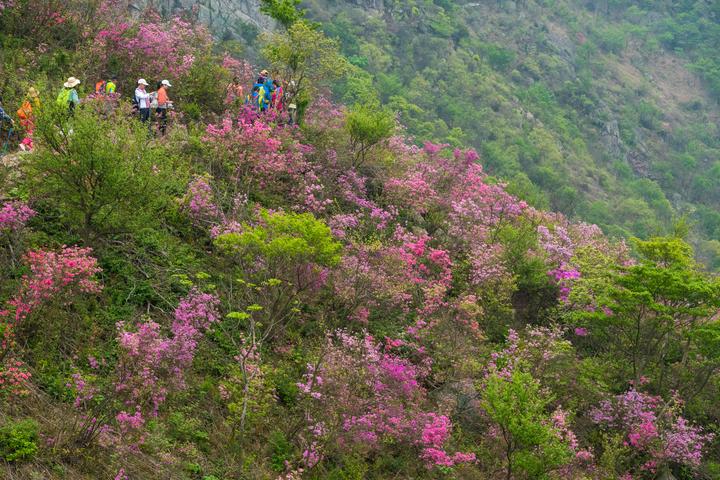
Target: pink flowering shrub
<point>154,364</point>
<point>360,396</point>
<point>536,351</point>
<point>353,190</point>
<point>653,430</point>
<point>199,201</point>
<point>53,277</point>
<point>153,48</point>
<point>574,251</point>
<point>14,215</point>
<point>252,154</point>
<point>478,208</point>
<point>407,275</point>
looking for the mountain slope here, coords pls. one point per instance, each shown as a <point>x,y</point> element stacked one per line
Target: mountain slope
<point>605,114</point>
<point>242,296</point>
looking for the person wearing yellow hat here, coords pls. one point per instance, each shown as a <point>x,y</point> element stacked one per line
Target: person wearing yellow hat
<point>25,112</point>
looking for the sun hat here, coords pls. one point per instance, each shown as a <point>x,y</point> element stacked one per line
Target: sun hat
<point>263,72</point>
<point>71,82</point>
<point>32,92</point>
<point>142,81</point>
<point>166,83</point>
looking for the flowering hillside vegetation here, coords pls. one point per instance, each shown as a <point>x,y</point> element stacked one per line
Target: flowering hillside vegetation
<point>248,299</point>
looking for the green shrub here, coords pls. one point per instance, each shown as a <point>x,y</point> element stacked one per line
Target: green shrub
<point>187,429</point>
<point>18,440</point>
<point>282,451</point>
<point>368,125</point>
<point>288,238</point>
<point>100,170</point>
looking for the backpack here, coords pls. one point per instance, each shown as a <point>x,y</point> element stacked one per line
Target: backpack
<point>262,98</point>
<point>269,88</point>
<point>135,103</point>
<point>63,98</point>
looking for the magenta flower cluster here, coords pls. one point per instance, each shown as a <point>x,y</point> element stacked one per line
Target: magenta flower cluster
<point>14,215</point>
<point>54,276</point>
<point>376,395</point>
<point>655,430</point>
<point>154,364</point>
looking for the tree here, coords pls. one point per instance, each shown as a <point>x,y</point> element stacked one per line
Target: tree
<point>531,445</point>
<point>368,125</point>
<point>657,314</point>
<point>306,56</point>
<point>284,11</point>
<point>98,169</point>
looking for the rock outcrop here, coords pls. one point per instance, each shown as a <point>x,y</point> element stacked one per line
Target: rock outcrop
<point>224,17</point>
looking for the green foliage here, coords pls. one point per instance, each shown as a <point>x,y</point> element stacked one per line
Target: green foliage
<point>18,440</point>
<point>498,57</point>
<point>203,88</point>
<point>306,56</point>
<point>368,125</point>
<point>289,238</point>
<point>658,306</point>
<point>101,182</point>
<point>530,445</point>
<point>282,451</point>
<point>284,11</point>
<point>186,429</point>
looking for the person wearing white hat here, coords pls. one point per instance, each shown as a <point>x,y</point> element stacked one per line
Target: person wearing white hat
<point>142,98</point>
<point>68,96</point>
<point>164,103</point>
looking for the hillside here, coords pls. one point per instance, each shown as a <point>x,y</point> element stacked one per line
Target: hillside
<point>226,290</point>
<point>607,112</point>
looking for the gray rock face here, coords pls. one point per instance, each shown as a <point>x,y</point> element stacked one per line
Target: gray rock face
<point>612,140</point>
<point>224,17</point>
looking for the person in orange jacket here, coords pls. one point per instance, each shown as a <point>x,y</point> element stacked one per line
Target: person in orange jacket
<point>25,112</point>
<point>163,103</point>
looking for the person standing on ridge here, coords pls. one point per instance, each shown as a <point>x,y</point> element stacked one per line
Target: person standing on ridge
<point>164,103</point>
<point>234,92</point>
<point>110,86</point>
<point>4,117</point>
<point>68,96</point>
<point>269,86</point>
<point>261,97</point>
<point>142,98</point>
<point>100,86</point>
<point>263,76</point>
<point>25,112</point>
<point>278,96</point>
<point>292,107</point>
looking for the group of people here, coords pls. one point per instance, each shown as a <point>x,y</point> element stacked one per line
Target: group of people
<point>159,101</point>
<point>266,94</point>
<point>143,101</point>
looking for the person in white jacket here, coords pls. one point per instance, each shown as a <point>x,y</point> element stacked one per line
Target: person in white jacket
<point>142,97</point>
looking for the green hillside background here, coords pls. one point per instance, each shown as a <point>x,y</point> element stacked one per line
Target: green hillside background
<point>607,111</point>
